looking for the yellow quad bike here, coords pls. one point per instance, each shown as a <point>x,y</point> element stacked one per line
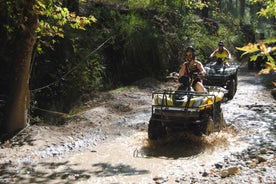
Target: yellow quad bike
<point>186,110</point>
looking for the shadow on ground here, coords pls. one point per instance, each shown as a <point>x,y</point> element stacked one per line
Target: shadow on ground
<point>61,172</point>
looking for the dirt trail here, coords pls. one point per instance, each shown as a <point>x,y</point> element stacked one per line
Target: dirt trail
<point>108,144</point>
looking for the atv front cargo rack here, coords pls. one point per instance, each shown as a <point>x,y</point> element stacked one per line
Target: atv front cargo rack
<point>185,99</point>
<point>180,110</point>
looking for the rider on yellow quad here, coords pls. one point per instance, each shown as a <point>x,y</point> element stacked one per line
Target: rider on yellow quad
<point>221,54</point>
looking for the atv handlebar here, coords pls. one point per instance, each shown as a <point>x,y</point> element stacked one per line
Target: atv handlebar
<point>197,75</point>
<point>215,59</point>
<point>185,79</point>
<point>173,75</point>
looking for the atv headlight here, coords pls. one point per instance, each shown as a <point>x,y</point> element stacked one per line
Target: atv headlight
<point>229,70</point>
<point>221,70</point>
<point>207,69</point>
<point>210,101</point>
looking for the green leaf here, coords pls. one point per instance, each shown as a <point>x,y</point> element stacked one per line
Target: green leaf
<point>253,58</point>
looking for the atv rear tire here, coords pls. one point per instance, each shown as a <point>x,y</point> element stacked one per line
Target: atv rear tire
<point>231,87</point>
<point>155,130</point>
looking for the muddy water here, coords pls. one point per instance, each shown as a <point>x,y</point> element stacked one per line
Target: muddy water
<point>132,159</point>
<point>125,155</point>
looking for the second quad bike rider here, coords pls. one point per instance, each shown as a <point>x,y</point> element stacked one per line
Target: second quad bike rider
<point>190,67</point>
<point>221,54</point>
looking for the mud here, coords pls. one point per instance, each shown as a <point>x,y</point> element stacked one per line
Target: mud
<point>107,143</point>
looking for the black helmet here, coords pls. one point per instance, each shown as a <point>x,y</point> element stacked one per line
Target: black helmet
<point>190,48</point>
<point>220,43</point>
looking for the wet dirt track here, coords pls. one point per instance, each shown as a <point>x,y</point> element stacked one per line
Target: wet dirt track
<point>108,144</point>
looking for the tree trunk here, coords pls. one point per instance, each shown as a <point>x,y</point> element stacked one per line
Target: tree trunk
<point>230,6</point>
<point>219,4</point>
<point>18,99</point>
<point>242,10</point>
<point>73,5</point>
<point>205,10</point>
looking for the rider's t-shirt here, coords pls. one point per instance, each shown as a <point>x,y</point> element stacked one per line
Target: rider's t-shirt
<point>191,69</point>
<point>222,54</point>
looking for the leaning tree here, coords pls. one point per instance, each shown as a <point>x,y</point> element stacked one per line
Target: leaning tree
<point>31,21</point>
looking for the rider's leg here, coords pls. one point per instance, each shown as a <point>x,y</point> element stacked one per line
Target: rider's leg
<point>199,87</point>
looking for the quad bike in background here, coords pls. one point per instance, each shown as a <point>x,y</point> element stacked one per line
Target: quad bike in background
<point>222,75</point>
<point>186,110</point>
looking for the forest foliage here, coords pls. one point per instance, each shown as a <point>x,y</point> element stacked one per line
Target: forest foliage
<point>127,41</point>
<point>264,48</point>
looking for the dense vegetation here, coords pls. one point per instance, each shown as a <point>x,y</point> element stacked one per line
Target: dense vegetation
<point>129,40</point>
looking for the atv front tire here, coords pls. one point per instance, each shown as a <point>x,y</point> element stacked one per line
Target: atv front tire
<point>155,130</point>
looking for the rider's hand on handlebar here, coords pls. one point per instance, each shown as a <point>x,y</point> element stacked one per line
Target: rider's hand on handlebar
<point>198,75</point>
<point>173,75</point>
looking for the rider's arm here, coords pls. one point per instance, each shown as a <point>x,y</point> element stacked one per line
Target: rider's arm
<point>228,53</point>
<point>213,54</point>
<point>182,71</point>
<point>201,68</point>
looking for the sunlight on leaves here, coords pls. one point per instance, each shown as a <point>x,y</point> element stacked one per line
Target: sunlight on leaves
<point>269,67</point>
<point>264,71</point>
<point>249,48</point>
<point>268,8</point>
<point>264,50</point>
<point>253,58</point>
